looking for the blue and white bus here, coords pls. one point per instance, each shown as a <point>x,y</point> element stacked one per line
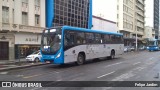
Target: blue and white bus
<point>66,44</point>
<point>153,45</point>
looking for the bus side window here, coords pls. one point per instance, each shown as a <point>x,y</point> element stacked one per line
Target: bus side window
<point>89,38</point>
<point>98,38</point>
<point>107,39</point>
<point>80,38</point>
<point>69,38</point>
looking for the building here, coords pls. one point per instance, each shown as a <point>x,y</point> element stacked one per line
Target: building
<point>149,33</point>
<point>152,15</point>
<point>21,25</point>
<point>131,19</point>
<point>104,24</point>
<point>76,13</point>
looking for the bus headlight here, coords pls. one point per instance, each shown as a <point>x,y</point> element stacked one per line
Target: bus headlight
<point>156,47</point>
<point>58,55</point>
<point>147,47</point>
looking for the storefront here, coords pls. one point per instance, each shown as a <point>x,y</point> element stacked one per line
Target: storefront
<point>26,43</point>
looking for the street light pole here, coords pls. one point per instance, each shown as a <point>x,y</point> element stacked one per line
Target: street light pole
<point>136,31</point>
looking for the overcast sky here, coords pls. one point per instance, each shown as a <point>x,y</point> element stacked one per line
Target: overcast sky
<point>107,9</point>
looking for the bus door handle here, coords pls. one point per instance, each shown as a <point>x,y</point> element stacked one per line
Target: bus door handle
<point>73,51</point>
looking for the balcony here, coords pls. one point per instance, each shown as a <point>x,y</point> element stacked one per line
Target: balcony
<point>24,7</point>
<point>20,28</point>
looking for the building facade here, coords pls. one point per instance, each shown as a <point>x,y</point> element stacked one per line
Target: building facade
<point>149,33</point>
<point>152,15</point>
<point>131,18</point>
<point>76,13</point>
<point>21,25</point>
<point>104,24</point>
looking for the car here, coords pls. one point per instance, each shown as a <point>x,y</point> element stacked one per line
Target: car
<point>127,49</point>
<point>132,48</point>
<point>34,57</point>
<point>142,48</point>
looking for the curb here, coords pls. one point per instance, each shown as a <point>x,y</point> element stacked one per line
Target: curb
<point>21,67</point>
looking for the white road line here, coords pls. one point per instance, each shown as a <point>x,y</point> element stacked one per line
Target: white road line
<point>113,64</point>
<point>3,72</point>
<point>57,72</point>
<point>105,74</point>
<point>124,76</point>
<point>136,63</point>
<point>151,58</point>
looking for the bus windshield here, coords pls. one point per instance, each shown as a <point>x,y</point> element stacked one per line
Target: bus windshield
<point>51,41</point>
<point>151,43</point>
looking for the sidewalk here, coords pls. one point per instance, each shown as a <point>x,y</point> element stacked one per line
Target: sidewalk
<point>16,64</point>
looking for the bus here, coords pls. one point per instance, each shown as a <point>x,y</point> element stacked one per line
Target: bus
<point>153,45</point>
<point>67,44</point>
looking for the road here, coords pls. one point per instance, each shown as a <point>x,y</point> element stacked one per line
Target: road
<point>132,66</point>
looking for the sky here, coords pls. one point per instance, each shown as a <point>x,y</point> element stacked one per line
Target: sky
<point>107,9</point>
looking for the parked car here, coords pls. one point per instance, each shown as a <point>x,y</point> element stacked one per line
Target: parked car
<point>34,57</point>
<point>142,48</point>
<point>127,49</point>
<point>132,48</point>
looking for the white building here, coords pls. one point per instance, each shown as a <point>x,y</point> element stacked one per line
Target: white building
<point>149,32</point>
<point>131,14</point>
<point>103,24</point>
<point>20,26</point>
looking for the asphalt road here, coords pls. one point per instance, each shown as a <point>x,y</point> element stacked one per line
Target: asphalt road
<point>139,66</point>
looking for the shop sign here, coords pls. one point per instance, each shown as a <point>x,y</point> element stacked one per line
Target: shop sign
<point>31,39</point>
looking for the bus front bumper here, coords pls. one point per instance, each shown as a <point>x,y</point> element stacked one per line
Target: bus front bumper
<point>53,60</point>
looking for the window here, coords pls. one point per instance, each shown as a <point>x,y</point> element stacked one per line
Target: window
<point>107,39</point>
<point>69,39</point>
<point>112,37</point>
<point>80,38</point>
<point>37,19</point>
<point>24,18</point>
<point>5,14</point>
<point>89,38</point>
<point>98,38</point>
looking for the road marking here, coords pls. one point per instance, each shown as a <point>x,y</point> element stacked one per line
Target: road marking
<point>3,72</point>
<point>57,72</point>
<point>124,76</point>
<point>136,63</point>
<point>139,68</point>
<point>151,58</point>
<point>59,80</point>
<point>106,74</point>
<point>32,76</point>
<point>113,64</point>
<point>19,75</point>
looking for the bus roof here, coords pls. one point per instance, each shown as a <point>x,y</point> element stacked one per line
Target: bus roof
<point>89,30</point>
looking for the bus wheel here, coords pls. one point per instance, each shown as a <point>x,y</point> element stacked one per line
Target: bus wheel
<point>112,54</point>
<point>80,59</point>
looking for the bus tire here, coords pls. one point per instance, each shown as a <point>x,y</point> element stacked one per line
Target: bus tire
<point>112,56</point>
<point>80,59</point>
